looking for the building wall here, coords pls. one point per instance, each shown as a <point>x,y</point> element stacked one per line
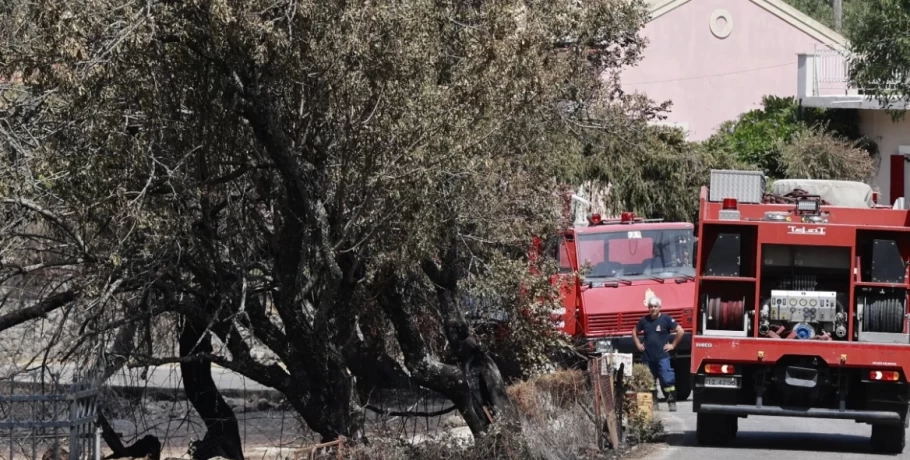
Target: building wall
<point>890,136</point>
<point>709,79</point>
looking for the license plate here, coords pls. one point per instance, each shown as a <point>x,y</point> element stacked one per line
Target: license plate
<point>720,382</point>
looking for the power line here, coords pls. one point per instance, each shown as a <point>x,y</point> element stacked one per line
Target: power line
<point>709,76</point>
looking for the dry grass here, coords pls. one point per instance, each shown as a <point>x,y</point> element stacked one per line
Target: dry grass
<point>554,425</point>
<point>553,417</point>
<point>558,390</point>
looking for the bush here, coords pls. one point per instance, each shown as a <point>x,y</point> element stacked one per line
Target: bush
<point>759,137</point>
<point>561,389</point>
<point>756,136</point>
<point>642,380</point>
<point>815,153</point>
<point>556,423</point>
<point>641,429</point>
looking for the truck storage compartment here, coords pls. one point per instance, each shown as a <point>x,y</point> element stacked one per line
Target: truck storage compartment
<point>727,250</point>
<point>726,308</point>
<point>880,294</point>
<point>805,292</point>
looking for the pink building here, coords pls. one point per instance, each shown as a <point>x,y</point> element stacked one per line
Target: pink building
<point>715,59</point>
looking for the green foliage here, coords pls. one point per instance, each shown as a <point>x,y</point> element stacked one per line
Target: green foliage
<point>876,31</point>
<point>756,135</point>
<point>651,170</point>
<point>823,11</point>
<point>516,306</point>
<point>641,429</point>
<point>642,380</point>
<point>319,183</point>
<point>759,137</point>
<point>818,154</point>
<point>880,64</point>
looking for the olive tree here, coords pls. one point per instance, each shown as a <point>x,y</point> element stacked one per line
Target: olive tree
<point>279,180</point>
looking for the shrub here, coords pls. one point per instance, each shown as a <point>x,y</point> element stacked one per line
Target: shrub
<point>759,137</point>
<point>642,380</point>
<point>558,390</point>
<point>641,429</point>
<point>815,153</point>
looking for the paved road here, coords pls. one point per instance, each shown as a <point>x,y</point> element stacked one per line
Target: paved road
<point>761,438</point>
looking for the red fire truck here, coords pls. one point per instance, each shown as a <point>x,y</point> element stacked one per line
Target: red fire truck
<point>802,306</point>
<point>622,262</point>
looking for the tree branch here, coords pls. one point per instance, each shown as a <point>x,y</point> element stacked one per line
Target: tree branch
<point>39,310</point>
<point>51,217</point>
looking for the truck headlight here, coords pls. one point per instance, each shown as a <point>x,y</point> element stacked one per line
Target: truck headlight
<point>602,346</point>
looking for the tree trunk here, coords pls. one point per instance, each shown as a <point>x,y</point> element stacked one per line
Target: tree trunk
<point>222,436</point>
<point>488,389</point>
<point>475,386</point>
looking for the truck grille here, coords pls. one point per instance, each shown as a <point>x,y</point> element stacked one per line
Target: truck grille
<point>621,323</point>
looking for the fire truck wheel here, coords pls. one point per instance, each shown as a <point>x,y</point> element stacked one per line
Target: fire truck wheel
<point>888,439</point>
<point>715,429</point>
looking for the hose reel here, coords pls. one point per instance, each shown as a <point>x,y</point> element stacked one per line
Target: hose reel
<point>724,314</point>
<point>884,315</point>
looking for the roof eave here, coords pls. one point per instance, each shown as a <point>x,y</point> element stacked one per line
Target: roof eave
<point>791,15</point>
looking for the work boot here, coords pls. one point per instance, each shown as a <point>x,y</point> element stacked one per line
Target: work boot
<point>655,406</point>
<point>671,400</point>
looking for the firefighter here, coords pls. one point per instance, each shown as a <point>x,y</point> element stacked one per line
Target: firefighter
<point>657,328</point>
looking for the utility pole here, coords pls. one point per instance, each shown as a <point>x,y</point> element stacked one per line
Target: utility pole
<point>838,16</point>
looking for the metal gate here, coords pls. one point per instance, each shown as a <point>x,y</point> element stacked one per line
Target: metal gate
<point>50,426</point>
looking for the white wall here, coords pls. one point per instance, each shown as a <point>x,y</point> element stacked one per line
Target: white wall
<point>889,135</point>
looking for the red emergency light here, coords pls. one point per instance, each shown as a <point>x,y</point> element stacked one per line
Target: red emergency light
<point>595,219</point>
<point>627,217</point>
<point>730,204</point>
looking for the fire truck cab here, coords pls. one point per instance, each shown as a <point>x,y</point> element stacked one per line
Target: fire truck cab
<point>802,306</point>
<point>621,262</point>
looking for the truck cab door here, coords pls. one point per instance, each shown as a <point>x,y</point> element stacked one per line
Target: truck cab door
<point>566,280</point>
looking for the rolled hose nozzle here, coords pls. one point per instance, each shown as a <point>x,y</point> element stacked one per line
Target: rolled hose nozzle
<point>840,331</point>
<point>763,328</point>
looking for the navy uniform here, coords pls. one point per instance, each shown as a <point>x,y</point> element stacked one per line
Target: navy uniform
<point>657,328</point>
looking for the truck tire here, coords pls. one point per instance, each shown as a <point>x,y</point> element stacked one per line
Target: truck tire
<point>888,439</point>
<point>684,378</point>
<point>715,429</point>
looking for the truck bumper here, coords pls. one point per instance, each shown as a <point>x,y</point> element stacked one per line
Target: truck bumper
<point>627,345</point>
<point>877,417</point>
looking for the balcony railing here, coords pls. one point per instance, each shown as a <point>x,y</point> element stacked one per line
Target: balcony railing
<point>825,72</point>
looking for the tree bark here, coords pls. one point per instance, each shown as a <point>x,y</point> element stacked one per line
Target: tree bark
<point>222,436</point>
<point>474,385</point>
<point>38,310</point>
<point>488,389</point>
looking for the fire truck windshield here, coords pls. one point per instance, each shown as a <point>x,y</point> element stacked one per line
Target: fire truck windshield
<point>630,255</point>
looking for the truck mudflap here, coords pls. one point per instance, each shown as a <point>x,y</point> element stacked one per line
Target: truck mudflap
<point>861,416</point>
